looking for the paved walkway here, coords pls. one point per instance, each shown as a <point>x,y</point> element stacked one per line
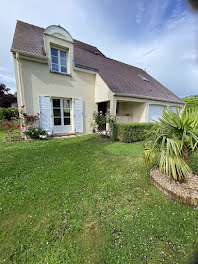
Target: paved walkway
<point>71,135</point>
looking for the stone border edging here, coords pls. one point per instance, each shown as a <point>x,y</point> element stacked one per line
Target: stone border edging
<point>184,199</point>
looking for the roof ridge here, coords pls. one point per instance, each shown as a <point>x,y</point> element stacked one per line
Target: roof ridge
<point>29,24</point>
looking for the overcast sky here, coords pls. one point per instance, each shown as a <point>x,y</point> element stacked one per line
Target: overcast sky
<point>160,36</point>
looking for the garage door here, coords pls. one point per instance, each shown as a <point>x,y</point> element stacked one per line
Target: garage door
<point>155,112</point>
<point>174,109</point>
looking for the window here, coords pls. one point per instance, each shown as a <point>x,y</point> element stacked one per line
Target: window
<point>58,60</point>
<point>66,111</point>
<point>61,111</point>
<point>57,112</point>
<point>143,78</point>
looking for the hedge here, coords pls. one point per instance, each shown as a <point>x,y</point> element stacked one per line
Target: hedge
<point>8,112</point>
<point>131,132</point>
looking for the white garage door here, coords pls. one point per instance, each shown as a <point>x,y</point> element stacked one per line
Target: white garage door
<point>155,112</point>
<point>174,109</point>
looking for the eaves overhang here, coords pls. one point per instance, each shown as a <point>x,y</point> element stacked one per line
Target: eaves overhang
<point>147,98</point>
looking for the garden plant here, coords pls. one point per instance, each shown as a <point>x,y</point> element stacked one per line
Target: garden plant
<point>23,127</point>
<point>103,123</point>
<point>174,138</point>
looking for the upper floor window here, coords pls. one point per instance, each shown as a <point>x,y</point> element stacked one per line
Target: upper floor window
<point>58,60</point>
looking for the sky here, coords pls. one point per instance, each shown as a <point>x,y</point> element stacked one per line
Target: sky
<point>159,36</point>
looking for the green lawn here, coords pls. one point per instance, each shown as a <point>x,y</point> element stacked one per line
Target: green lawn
<point>80,200</point>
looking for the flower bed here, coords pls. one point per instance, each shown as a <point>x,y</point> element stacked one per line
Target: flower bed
<point>186,192</point>
<point>23,127</point>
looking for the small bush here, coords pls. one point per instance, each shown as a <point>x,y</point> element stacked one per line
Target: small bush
<point>10,127</point>
<point>7,113</point>
<point>131,132</point>
<point>100,121</point>
<point>37,133</point>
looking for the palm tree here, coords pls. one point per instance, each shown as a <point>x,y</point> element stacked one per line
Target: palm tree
<point>175,136</point>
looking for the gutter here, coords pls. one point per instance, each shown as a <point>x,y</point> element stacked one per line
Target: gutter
<point>84,70</point>
<point>24,54</point>
<point>86,67</point>
<point>146,97</point>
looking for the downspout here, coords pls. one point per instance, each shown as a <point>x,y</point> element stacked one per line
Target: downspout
<point>21,93</point>
<point>19,79</point>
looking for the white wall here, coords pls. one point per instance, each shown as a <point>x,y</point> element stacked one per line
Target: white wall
<point>130,112</point>
<point>38,80</point>
<point>102,91</point>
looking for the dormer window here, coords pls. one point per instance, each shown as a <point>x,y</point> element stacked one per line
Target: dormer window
<point>58,60</point>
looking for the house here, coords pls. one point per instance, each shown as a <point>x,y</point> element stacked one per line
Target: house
<point>66,80</point>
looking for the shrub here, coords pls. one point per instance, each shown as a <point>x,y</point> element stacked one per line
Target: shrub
<point>100,120</point>
<point>10,127</point>
<point>175,137</point>
<point>28,119</point>
<point>37,133</point>
<point>7,113</point>
<point>130,132</point>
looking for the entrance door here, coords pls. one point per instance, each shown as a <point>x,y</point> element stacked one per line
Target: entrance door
<point>62,115</point>
<point>102,107</point>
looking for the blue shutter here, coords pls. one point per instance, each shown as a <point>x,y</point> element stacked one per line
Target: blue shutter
<point>45,113</point>
<point>78,115</point>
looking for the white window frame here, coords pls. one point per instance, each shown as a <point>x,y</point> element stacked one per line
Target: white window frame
<point>62,116</point>
<point>59,60</point>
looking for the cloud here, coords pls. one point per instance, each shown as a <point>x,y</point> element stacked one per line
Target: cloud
<point>140,12</point>
<point>157,35</point>
<point>9,80</point>
<point>171,56</point>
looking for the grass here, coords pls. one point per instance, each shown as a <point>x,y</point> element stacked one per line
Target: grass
<point>80,200</point>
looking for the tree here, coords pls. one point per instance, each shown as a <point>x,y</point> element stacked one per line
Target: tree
<point>191,101</point>
<point>194,4</point>
<point>174,138</point>
<point>6,98</point>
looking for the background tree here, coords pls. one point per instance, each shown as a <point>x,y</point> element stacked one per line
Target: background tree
<point>6,98</point>
<point>194,4</point>
<point>191,101</point>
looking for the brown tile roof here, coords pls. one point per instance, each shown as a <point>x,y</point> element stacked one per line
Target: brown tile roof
<point>121,78</point>
<point>28,38</point>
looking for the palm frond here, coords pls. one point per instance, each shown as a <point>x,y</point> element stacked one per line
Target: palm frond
<point>175,135</point>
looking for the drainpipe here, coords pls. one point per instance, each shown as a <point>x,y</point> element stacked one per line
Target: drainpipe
<point>19,88</point>
<point>19,78</point>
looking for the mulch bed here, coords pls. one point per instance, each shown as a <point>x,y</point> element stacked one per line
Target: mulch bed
<point>102,138</point>
<point>186,192</point>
